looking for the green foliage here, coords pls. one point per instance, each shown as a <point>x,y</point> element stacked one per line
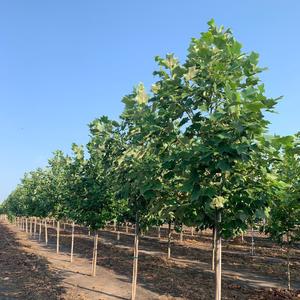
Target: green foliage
<point>193,147</point>
<point>284,217</point>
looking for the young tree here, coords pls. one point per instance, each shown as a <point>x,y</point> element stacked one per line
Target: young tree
<point>283,222</point>
<point>217,100</point>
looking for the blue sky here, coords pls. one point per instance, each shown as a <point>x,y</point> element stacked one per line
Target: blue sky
<point>65,62</point>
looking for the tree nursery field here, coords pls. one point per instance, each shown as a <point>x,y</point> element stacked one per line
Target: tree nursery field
<point>33,270</point>
<point>185,196</point>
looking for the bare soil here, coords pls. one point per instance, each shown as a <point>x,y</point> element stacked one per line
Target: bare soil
<point>31,270</point>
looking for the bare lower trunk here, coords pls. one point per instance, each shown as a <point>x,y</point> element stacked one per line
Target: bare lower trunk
<point>288,262</point>
<point>57,237</point>
<point>158,232</point>
<point>72,242</point>
<point>46,232</point>
<point>218,271</point>
<point>169,239</point>
<point>126,227</point>
<point>94,263</point>
<point>35,223</point>
<point>192,231</point>
<point>181,234</point>
<point>26,224</point>
<point>252,241</point>
<point>288,268</point>
<point>30,226</point>
<point>135,260</point>
<point>214,241</point>
<point>40,230</point>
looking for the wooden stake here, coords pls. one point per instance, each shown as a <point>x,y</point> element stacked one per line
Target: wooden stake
<point>181,234</point>
<point>252,241</point>
<point>169,240</point>
<point>57,237</point>
<point>288,263</point>
<point>135,260</point>
<point>218,271</point>
<point>94,266</point>
<point>46,232</point>
<point>214,241</point>
<point>72,241</point>
<point>34,230</point>
<point>30,226</point>
<point>40,230</point>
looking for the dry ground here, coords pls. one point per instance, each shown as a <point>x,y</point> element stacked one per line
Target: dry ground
<point>30,270</point>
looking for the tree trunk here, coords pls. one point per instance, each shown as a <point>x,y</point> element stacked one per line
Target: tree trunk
<point>214,241</point>
<point>169,239</point>
<point>288,264</point>
<point>94,263</point>
<point>40,230</point>
<point>46,232</point>
<point>57,237</point>
<point>192,231</point>
<point>158,232</point>
<point>34,230</point>
<point>252,241</point>
<point>72,241</point>
<point>218,271</point>
<point>30,226</point>
<point>181,234</point>
<point>126,227</point>
<point>288,268</point>
<point>135,259</point>
<point>26,225</point>
<point>53,223</point>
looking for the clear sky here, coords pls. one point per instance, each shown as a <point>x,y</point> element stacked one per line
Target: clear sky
<point>65,62</point>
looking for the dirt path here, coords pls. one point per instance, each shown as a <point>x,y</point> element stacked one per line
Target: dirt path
<point>42,274</point>
<point>186,276</point>
<point>23,274</point>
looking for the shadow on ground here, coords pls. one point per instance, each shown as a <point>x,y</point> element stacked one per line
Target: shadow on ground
<point>24,275</point>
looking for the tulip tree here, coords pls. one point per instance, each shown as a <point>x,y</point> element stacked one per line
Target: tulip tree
<point>137,180</point>
<point>283,222</point>
<point>192,151</point>
<point>218,101</point>
<point>98,204</point>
